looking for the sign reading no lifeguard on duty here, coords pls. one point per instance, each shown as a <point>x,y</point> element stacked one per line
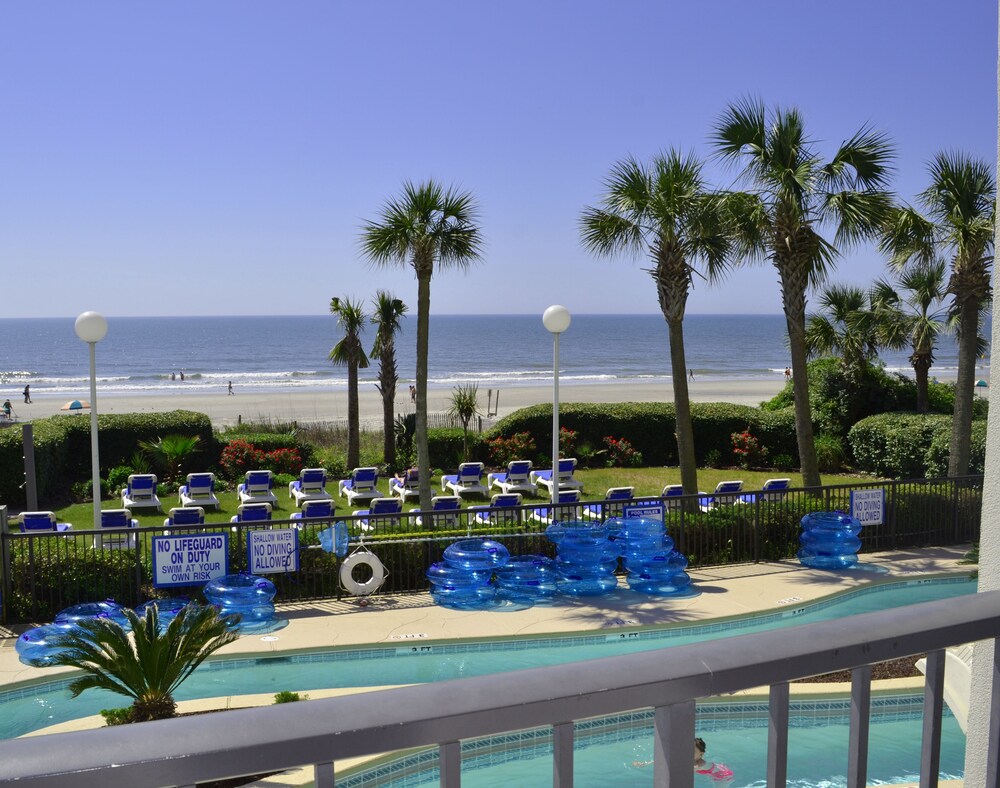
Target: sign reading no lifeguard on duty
<point>187,560</point>
<point>868,506</point>
<point>273,551</point>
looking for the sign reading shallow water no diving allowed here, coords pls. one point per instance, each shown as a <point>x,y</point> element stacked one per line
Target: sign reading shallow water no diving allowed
<point>868,506</point>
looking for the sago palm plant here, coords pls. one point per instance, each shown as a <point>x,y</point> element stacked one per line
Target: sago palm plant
<point>149,668</point>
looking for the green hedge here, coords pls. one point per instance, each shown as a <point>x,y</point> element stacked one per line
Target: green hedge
<point>936,456</point>
<point>650,427</point>
<point>897,444</point>
<point>62,449</point>
<point>445,445</point>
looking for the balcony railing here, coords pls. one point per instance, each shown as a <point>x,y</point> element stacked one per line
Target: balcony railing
<point>182,752</point>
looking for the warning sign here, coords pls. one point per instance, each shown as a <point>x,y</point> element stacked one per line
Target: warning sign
<point>188,560</point>
<point>868,506</point>
<point>273,551</point>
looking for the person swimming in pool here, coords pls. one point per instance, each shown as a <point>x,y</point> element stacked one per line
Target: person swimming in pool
<point>717,771</point>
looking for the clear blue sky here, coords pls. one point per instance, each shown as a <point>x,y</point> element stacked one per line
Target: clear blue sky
<point>220,157</point>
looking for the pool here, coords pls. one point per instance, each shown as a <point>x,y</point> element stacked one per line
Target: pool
<point>35,706</point>
<point>617,750</point>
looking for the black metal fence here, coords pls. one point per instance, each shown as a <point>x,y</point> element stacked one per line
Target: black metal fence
<point>46,572</point>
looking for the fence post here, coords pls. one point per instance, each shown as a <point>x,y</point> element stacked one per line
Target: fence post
<point>5,580</point>
<point>30,483</point>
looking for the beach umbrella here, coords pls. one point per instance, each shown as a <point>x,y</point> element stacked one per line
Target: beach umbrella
<point>76,405</point>
<point>981,384</point>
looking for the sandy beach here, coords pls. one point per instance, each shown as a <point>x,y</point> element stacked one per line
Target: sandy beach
<point>317,405</point>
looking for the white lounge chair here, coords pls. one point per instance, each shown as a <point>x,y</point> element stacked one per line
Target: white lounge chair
<point>380,512</point>
<point>251,513</point>
<point>314,510</point>
<point>184,515</point>
<point>32,522</point>
<point>773,490</point>
<point>408,486</point>
<point>602,511</point>
<point>310,486</point>
<point>566,508</point>
<point>502,511</point>
<point>468,480</point>
<point>257,488</point>
<point>957,681</point>
<point>361,485</point>
<point>140,492</point>
<point>724,493</point>
<point>199,490</point>
<point>117,530</point>
<point>566,479</point>
<point>516,479</point>
<point>444,512</point>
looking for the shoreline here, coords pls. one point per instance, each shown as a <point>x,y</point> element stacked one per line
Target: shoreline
<point>330,405</point>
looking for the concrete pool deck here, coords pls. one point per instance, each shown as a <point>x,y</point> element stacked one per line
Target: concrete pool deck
<point>724,591</point>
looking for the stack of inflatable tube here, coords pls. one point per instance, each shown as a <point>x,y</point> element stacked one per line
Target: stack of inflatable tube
<point>585,558</point>
<point>250,596</point>
<point>528,578</point>
<point>829,540</point>
<point>39,646</point>
<point>653,565</point>
<point>464,579</point>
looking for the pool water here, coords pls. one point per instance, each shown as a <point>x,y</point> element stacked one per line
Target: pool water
<point>39,705</point>
<point>620,753</point>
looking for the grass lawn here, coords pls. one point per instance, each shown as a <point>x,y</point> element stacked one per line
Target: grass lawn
<point>647,481</point>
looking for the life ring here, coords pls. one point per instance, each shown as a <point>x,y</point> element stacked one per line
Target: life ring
<point>373,583</point>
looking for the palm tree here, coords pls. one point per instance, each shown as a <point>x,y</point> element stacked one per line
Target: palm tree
<point>958,226</point>
<point>170,452</point>
<point>465,407</point>
<point>427,226</point>
<point>150,670</point>
<point>389,310</point>
<point>921,323</point>
<point>664,211</point>
<point>793,196</point>
<point>851,328</point>
<point>349,352</point>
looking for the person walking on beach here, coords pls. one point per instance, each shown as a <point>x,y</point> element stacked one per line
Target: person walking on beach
<point>788,374</point>
<point>413,393</point>
<point>230,388</point>
<point>8,410</point>
<point>691,375</point>
<point>27,394</point>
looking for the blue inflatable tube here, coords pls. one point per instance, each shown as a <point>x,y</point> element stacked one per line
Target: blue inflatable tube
<point>451,577</point>
<point>108,609</point>
<point>528,577</point>
<point>39,646</point>
<point>166,609</point>
<point>243,589</point>
<point>476,554</point>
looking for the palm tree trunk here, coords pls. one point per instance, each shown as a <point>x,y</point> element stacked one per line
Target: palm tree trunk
<point>794,280</point>
<point>353,418</point>
<point>387,387</point>
<point>921,364</point>
<point>420,431</point>
<point>961,423</point>
<point>684,431</point>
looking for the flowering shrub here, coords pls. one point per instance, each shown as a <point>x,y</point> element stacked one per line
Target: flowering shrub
<point>239,457</point>
<point>621,453</point>
<point>284,461</point>
<point>567,442</point>
<point>519,446</point>
<point>749,453</point>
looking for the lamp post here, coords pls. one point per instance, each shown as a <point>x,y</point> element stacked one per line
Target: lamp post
<point>91,328</point>
<point>556,319</point>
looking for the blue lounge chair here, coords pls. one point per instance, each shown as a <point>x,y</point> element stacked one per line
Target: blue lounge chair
<point>602,511</point>
<point>361,485</point>
<point>251,513</point>
<point>199,490</point>
<point>314,510</point>
<point>381,511</point>
<point>566,508</point>
<point>140,492</point>
<point>502,511</point>
<point>468,480</point>
<point>773,490</point>
<point>517,478</point>
<point>256,488</point>
<point>566,479</point>
<point>184,515</point>
<point>444,512</point>
<point>32,522</point>
<point>408,486</point>
<point>310,486</point>
<point>725,493</point>
<point>117,530</point>
<point>672,494</point>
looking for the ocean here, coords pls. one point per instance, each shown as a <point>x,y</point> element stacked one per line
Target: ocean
<point>140,355</point>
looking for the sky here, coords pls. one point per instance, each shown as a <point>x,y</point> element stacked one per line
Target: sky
<point>193,158</point>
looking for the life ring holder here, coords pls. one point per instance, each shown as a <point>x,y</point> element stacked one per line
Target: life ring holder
<point>362,557</point>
